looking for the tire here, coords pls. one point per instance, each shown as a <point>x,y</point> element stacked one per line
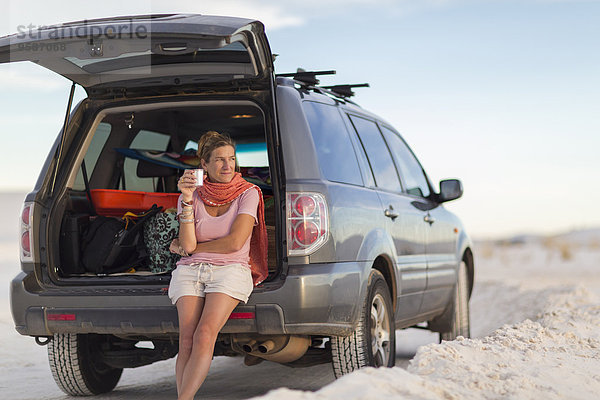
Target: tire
<point>76,368</point>
<point>373,343</point>
<point>460,324</point>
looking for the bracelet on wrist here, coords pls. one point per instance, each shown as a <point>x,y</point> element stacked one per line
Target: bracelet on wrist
<point>186,221</point>
<point>186,204</point>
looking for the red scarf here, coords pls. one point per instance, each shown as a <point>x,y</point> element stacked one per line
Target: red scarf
<point>218,194</point>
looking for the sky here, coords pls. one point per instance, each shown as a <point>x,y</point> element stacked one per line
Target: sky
<point>504,95</point>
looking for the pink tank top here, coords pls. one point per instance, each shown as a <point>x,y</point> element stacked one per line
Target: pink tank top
<point>211,228</point>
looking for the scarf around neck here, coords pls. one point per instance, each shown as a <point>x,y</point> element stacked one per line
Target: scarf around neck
<point>218,194</point>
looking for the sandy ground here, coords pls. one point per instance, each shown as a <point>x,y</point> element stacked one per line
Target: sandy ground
<point>535,315</point>
<point>536,327</point>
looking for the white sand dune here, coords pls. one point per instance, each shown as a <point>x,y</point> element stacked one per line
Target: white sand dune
<point>536,317</point>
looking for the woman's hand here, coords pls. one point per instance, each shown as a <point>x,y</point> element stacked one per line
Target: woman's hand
<point>176,248</point>
<point>187,184</point>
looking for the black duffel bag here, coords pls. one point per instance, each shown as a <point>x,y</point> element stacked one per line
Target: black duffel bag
<point>111,245</point>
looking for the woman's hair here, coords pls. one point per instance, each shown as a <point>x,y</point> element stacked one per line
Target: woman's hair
<point>210,141</point>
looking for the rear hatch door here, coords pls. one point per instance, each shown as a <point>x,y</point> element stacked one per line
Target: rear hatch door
<point>157,51</point>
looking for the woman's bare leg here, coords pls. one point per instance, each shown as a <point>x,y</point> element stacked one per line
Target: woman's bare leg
<point>189,309</point>
<point>217,308</point>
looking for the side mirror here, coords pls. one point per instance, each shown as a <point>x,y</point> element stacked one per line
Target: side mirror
<point>450,189</point>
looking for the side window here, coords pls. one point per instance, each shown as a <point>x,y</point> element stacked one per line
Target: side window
<point>386,176</point>
<point>410,170</point>
<point>144,140</point>
<point>91,157</point>
<point>336,154</point>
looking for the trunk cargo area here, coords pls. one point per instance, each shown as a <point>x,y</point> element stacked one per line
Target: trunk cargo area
<point>128,159</point>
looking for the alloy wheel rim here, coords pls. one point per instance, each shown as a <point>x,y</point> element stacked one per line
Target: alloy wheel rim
<point>380,331</point>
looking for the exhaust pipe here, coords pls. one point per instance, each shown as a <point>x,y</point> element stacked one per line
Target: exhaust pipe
<point>277,348</point>
<point>266,347</point>
<point>295,348</point>
<point>249,347</point>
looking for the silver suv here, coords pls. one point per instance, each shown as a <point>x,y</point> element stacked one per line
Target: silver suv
<point>360,243</point>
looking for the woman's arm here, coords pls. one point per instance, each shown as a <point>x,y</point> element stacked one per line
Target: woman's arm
<point>241,229</point>
<point>187,230</point>
<point>187,235</point>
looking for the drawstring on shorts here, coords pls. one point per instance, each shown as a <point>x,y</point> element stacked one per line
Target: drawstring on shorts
<point>204,272</point>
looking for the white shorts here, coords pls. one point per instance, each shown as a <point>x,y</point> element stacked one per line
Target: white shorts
<point>198,279</point>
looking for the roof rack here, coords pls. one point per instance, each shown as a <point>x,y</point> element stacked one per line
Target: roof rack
<point>308,80</point>
<point>345,90</point>
<point>307,77</point>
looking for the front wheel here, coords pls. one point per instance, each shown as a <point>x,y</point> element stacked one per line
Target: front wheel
<point>76,367</point>
<point>373,343</point>
<point>460,324</point>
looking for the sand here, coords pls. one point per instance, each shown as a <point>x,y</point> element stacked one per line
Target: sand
<point>536,327</point>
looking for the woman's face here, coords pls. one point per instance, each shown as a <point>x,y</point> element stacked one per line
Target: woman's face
<point>221,166</point>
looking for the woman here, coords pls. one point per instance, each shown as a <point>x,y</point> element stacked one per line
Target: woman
<point>217,223</point>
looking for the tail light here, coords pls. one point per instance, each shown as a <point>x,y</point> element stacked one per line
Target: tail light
<point>26,242</point>
<point>307,222</point>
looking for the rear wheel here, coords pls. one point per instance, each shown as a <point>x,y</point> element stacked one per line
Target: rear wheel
<point>460,323</point>
<point>76,368</point>
<point>373,343</point>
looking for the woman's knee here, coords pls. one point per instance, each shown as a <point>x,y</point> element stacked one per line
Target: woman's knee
<point>186,340</point>
<point>204,336</point>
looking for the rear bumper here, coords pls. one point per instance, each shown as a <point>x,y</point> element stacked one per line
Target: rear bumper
<point>315,299</point>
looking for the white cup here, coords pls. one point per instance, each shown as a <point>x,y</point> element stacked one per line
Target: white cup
<point>199,174</point>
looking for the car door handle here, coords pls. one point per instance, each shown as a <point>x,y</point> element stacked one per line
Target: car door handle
<point>390,213</point>
<point>429,219</point>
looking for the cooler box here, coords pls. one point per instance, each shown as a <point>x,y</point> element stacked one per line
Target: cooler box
<point>115,203</point>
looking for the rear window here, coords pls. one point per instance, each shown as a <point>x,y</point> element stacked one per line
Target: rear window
<point>91,157</point>
<point>335,152</point>
<point>247,154</point>
<point>147,140</point>
<point>147,150</point>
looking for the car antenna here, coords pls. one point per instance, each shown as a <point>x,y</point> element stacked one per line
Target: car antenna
<point>344,90</point>
<point>306,78</point>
